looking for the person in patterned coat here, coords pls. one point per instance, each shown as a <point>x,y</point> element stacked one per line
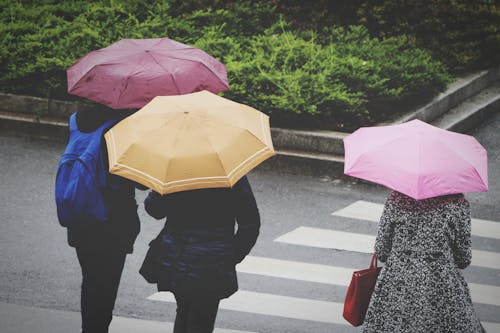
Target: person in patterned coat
<point>424,245</point>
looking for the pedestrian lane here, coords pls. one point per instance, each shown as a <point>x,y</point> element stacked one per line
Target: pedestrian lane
<point>340,240</point>
<point>284,306</point>
<point>295,270</point>
<point>275,305</point>
<point>123,324</point>
<point>330,312</point>
<point>341,276</point>
<point>370,211</point>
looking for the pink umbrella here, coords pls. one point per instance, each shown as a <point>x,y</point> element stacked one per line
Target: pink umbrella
<point>131,72</point>
<point>417,159</point>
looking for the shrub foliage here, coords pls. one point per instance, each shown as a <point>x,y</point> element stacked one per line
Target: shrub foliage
<point>338,78</point>
<point>463,34</point>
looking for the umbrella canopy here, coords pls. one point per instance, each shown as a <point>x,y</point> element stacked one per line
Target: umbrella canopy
<point>131,72</point>
<point>192,141</point>
<point>417,159</point>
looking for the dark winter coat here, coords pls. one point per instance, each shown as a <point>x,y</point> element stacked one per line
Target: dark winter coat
<point>120,231</point>
<point>197,250</point>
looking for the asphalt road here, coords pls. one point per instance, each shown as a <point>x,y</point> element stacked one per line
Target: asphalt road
<point>39,269</point>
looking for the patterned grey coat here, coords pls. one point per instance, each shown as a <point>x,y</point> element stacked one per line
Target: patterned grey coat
<point>421,289</point>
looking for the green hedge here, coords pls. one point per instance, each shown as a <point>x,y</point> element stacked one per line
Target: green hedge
<point>42,38</point>
<point>340,78</point>
<point>353,79</point>
<point>463,34</point>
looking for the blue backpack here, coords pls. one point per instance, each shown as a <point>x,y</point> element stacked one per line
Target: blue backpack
<point>82,177</point>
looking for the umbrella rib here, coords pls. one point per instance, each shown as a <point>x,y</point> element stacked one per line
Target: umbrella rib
<point>460,153</point>
<point>250,158</point>
<point>420,176</point>
<point>473,167</point>
<point>166,71</point>
<point>199,62</point>
<point>213,149</point>
<point>120,56</point>
<point>126,82</point>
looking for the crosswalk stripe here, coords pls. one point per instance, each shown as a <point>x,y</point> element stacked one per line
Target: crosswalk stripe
<point>486,259</point>
<point>124,324</point>
<point>329,239</point>
<point>340,240</point>
<point>284,306</point>
<point>370,211</point>
<point>486,294</point>
<point>275,305</point>
<point>296,270</point>
<point>485,228</point>
<point>333,275</point>
<point>491,327</point>
<point>362,210</point>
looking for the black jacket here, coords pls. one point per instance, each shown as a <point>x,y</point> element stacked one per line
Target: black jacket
<point>197,250</point>
<point>121,230</point>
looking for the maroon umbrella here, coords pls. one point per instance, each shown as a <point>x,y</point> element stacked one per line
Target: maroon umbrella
<point>131,72</point>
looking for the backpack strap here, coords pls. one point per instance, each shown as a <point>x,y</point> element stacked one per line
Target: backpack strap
<point>108,124</point>
<point>99,133</point>
<point>72,123</point>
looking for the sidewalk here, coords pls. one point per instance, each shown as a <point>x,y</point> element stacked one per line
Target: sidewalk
<point>25,319</point>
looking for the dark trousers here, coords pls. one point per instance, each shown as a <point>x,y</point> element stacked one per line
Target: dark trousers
<point>195,314</point>
<point>101,273</point>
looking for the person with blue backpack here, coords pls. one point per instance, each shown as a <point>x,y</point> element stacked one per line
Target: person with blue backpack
<point>99,211</point>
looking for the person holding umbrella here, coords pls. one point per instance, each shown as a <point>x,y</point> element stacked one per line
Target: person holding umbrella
<point>196,252</point>
<point>124,75</point>
<point>194,152</point>
<point>101,242</point>
<point>424,235</point>
<point>424,245</point>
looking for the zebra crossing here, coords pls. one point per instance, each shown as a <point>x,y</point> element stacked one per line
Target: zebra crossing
<point>275,305</point>
<point>340,240</point>
<point>330,312</point>
<point>370,211</point>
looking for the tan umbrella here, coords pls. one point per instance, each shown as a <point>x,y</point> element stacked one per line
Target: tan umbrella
<point>192,141</point>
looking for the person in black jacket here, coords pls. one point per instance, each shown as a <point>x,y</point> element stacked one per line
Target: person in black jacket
<point>195,254</point>
<point>101,247</point>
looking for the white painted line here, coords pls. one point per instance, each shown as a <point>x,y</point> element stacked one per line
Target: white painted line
<point>281,306</point>
<point>296,270</point>
<point>341,276</point>
<point>329,239</point>
<point>491,327</point>
<point>486,294</point>
<point>486,259</point>
<point>362,210</point>
<point>485,228</point>
<point>370,211</point>
<point>339,240</point>
<point>275,305</point>
<point>124,324</point>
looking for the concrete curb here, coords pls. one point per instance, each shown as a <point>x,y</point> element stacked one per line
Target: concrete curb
<point>321,153</point>
<point>316,153</point>
<point>457,92</point>
<point>322,142</point>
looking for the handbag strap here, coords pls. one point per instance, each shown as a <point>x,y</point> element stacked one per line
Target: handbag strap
<point>373,262</point>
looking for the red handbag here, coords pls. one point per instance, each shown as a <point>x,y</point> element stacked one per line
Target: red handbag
<point>359,293</point>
